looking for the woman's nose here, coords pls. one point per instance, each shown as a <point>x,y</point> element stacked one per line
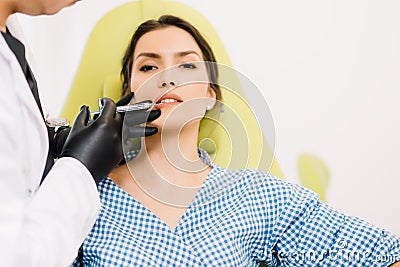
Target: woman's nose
<point>171,83</point>
<point>166,78</point>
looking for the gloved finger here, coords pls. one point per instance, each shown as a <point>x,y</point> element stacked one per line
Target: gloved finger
<point>137,131</point>
<point>136,117</point>
<point>150,130</point>
<point>154,114</point>
<point>109,108</point>
<point>125,100</point>
<point>82,117</point>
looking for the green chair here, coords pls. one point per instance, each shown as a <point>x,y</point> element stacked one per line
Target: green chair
<point>98,75</point>
<point>313,174</point>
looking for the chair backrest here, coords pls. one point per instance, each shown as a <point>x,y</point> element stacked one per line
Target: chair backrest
<point>98,75</point>
<point>313,174</point>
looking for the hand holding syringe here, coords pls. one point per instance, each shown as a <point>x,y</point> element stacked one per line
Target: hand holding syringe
<point>138,113</point>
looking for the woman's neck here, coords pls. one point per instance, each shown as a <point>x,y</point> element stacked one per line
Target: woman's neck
<point>167,168</point>
<point>173,154</point>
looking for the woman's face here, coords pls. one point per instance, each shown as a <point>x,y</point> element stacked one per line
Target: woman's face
<point>168,69</point>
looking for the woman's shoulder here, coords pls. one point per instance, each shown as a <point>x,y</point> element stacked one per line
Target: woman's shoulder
<point>247,175</point>
<point>265,186</point>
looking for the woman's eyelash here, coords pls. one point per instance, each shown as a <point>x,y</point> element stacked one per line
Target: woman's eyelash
<point>188,66</point>
<point>147,68</point>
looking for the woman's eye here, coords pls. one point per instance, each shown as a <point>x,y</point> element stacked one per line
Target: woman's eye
<point>187,66</point>
<point>147,68</point>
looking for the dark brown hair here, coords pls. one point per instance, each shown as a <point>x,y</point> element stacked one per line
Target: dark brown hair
<point>163,22</point>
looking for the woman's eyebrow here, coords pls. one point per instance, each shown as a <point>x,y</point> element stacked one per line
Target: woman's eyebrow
<point>178,54</point>
<point>185,53</point>
<point>148,54</point>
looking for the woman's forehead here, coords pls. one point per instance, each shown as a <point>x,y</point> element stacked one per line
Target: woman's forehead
<point>167,41</point>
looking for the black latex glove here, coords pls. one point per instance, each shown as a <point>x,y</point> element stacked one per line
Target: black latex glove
<point>62,132</point>
<point>125,100</point>
<point>87,137</point>
<point>134,118</point>
<point>132,131</point>
<point>96,144</point>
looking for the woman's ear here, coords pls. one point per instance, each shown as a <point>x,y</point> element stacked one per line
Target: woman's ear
<point>211,98</point>
<point>211,93</point>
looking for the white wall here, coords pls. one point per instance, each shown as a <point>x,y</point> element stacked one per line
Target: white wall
<point>328,69</point>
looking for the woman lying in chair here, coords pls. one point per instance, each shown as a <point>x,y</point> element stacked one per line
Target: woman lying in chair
<point>188,211</point>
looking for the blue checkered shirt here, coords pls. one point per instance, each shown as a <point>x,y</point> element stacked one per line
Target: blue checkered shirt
<point>237,218</point>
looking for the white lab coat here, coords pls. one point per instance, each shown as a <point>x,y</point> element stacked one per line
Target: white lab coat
<point>39,226</point>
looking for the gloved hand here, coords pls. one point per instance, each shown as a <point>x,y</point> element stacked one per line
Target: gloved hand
<point>90,150</point>
<point>97,144</point>
<point>133,131</point>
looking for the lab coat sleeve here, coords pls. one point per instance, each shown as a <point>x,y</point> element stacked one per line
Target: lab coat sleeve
<point>46,227</point>
<point>60,215</point>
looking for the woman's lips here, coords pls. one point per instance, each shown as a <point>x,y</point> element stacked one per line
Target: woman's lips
<point>168,100</point>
